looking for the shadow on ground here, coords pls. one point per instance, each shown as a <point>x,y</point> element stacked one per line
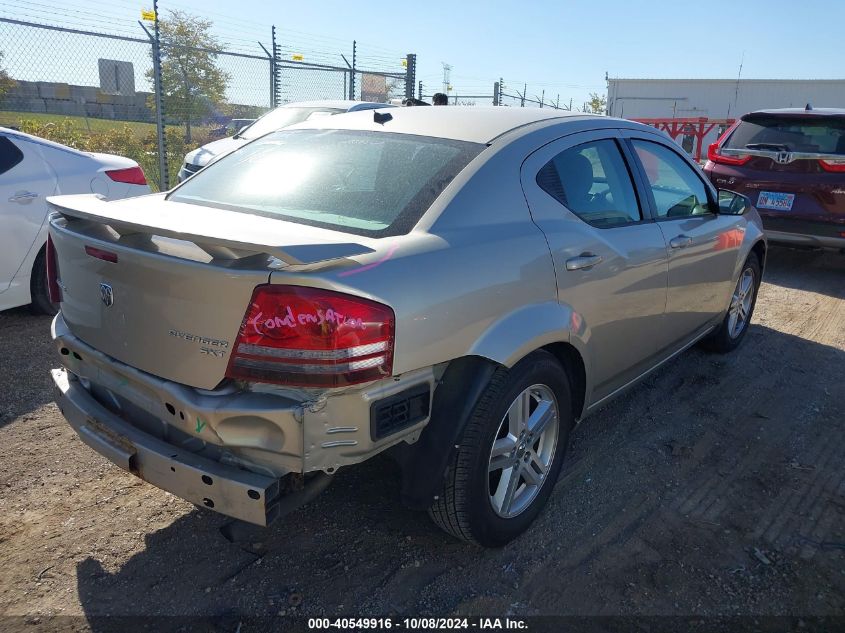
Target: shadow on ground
<point>814,270</point>
<point>26,357</point>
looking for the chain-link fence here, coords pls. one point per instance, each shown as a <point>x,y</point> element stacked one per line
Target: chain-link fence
<point>155,89</point>
<point>151,97</point>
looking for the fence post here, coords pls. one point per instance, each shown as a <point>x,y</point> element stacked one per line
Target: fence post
<point>277,72</point>
<point>410,75</point>
<point>354,61</point>
<point>155,41</point>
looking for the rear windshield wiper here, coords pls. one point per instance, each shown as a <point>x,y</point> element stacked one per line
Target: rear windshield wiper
<point>774,147</point>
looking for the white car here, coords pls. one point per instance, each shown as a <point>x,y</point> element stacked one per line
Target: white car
<point>282,116</point>
<point>31,169</point>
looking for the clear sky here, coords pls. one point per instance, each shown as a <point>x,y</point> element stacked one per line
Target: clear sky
<point>562,47</point>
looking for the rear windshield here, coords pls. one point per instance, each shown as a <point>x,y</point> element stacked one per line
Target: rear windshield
<point>815,134</point>
<point>283,117</point>
<point>367,183</point>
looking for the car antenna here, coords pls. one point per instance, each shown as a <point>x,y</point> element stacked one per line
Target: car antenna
<point>808,108</point>
<point>381,117</point>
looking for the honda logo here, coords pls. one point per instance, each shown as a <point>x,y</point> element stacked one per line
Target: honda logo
<point>106,294</point>
<point>784,158</point>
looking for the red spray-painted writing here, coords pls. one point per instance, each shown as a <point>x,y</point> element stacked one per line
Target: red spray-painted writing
<point>292,320</point>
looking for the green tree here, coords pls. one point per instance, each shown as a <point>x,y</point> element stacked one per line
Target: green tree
<point>6,81</point>
<point>192,83</point>
<point>597,103</point>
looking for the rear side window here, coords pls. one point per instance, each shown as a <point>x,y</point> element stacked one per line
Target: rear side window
<point>678,191</point>
<point>813,134</point>
<point>367,183</point>
<point>593,182</point>
<point>10,155</point>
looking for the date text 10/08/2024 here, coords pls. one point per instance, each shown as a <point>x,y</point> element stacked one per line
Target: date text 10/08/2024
<point>417,624</point>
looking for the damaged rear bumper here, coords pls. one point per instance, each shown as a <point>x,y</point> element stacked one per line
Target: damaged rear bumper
<point>237,493</point>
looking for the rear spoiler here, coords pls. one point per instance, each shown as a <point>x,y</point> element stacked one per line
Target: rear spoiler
<point>220,233</point>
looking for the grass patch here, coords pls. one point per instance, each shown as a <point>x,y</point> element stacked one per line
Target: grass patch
<point>83,124</point>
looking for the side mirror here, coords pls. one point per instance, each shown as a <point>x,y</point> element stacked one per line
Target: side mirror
<point>732,203</point>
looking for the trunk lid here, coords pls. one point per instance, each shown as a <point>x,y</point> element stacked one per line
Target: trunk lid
<point>173,302</point>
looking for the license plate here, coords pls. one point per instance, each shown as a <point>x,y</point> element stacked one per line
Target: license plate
<point>774,200</point>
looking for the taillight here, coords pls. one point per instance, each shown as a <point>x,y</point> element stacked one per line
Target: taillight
<point>837,166</point>
<point>308,337</point>
<point>53,273</point>
<point>714,154</point>
<point>131,175</point>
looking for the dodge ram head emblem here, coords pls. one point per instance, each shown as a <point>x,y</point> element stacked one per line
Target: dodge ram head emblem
<point>106,294</point>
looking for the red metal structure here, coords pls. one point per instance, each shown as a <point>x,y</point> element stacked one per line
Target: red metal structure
<point>697,128</point>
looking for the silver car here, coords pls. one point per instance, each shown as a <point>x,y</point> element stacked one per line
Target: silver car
<point>456,286</point>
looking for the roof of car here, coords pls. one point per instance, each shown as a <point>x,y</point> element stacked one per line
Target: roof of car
<point>799,111</point>
<point>462,123</point>
<point>340,104</point>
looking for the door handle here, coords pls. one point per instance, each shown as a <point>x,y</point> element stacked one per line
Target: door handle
<point>584,261</point>
<point>23,197</point>
<point>682,241</point>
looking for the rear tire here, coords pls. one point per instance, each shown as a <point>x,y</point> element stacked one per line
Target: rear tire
<point>41,303</point>
<point>735,325</point>
<point>510,454</point>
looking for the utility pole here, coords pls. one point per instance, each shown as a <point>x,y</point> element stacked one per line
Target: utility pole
<point>410,75</point>
<point>497,97</point>
<point>522,96</point>
<point>447,74</point>
<point>155,41</point>
<point>419,92</point>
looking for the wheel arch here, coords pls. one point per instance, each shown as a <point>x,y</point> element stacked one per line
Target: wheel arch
<point>573,363</point>
<point>457,393</point>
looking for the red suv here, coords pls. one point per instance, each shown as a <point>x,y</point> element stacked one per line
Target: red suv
<point>791,164</point>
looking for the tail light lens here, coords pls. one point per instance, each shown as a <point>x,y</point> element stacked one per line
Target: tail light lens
<point>836,166</point>
<point>132,175</point>
<point>308,337</point>
<point>714,154</point>
<point>53,273</point>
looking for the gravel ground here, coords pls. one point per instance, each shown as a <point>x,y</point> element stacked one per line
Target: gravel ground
<point>716,487</point>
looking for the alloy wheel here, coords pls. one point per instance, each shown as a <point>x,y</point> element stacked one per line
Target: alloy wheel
<point>741,302</point>
<point>523,451</point>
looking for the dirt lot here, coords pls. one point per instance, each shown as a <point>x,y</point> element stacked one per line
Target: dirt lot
<point>717,487</point>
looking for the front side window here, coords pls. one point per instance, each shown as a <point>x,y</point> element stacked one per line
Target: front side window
<point>677,190</point>
<point>593,182</point>
<point>368,183</point>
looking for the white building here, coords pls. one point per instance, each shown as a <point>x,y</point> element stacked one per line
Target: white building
<point>717,99</point>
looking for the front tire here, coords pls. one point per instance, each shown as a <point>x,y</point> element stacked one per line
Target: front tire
<point>734,327</point>
<point>510,454</point>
